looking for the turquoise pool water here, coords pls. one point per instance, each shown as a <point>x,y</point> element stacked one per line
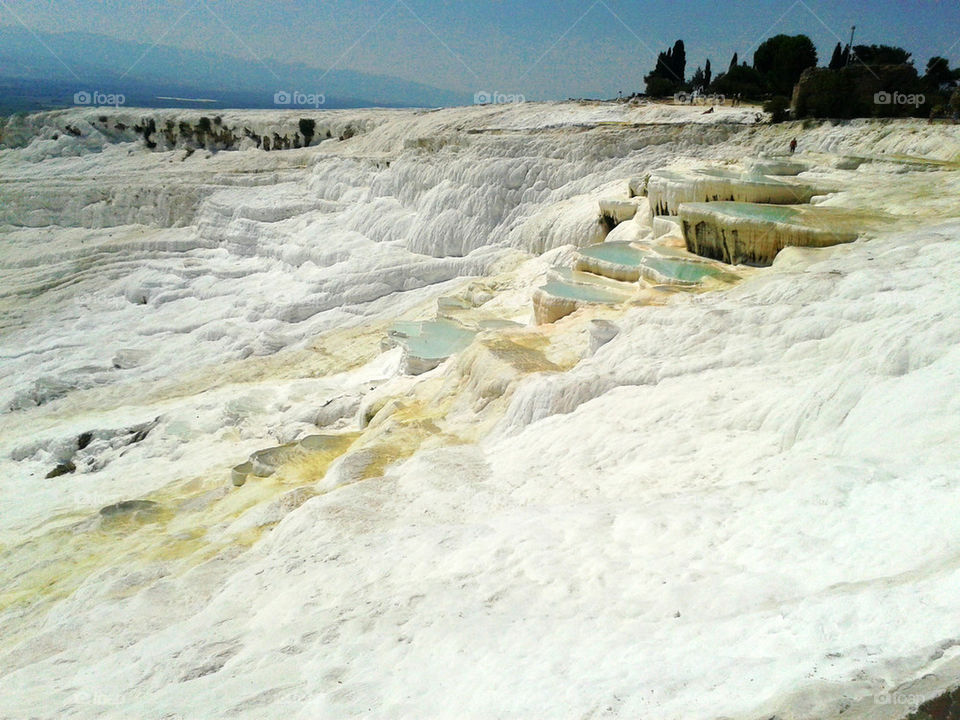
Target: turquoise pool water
<point>582,293</point>
<point>777,167</point>
<point>579,277</point>
<point>720,173</point>
<point>683,271</point>
<point>432,339</point>
<point>752,211</point>
<point>621,253</point>
<point>666,175</point>
<point>496,324</point>
<point>752,178</point>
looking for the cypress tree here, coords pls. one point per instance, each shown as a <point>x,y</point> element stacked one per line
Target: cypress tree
<point>836,62</point>
<point>679,61</point>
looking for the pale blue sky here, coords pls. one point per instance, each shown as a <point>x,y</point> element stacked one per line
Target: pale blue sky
<point>541,48</point>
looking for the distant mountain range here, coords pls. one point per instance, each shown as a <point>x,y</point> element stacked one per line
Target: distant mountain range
<point>32,78</point>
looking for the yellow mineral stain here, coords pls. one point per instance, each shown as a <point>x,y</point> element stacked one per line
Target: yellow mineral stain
<point>191,520</point>
<point>311,467</point>
<point>179,527</point>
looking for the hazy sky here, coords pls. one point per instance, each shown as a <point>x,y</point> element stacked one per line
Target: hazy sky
<point>540,48</point>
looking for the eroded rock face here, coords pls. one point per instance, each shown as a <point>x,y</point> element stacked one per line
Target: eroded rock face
<point>169,129</point>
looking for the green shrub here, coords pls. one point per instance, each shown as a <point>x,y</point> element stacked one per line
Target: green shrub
<point>942,707</point>
<point>778,107</point>
<point>742,80</point>
<point>782,59</point>
<point>661,87</point>
<point>667,76</point>
<point>852,92</point>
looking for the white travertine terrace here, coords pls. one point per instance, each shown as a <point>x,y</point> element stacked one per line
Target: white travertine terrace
<point>776,166</point>
<point>616,211</point>
<point>667,189</point>
<point>682,501</point>
<point>752,234</point>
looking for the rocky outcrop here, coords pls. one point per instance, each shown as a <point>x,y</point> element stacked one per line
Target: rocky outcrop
<point>170,129</point>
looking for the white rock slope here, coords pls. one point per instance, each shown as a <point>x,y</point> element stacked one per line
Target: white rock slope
<point>739,503</point>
